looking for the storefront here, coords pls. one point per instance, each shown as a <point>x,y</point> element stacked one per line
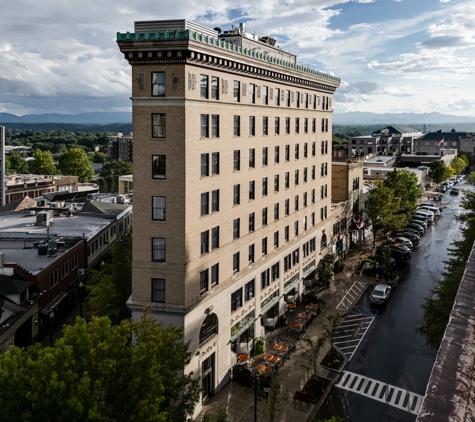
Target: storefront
<point>270,310</point>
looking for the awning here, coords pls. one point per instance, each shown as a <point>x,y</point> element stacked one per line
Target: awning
<point>55,302</point>
<point>357,223</point>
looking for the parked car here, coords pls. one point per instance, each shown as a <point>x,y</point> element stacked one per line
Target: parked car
<point>401,253</point>
<point>454,191</point>
<point>430,204</point>
<point>380,294</point>
<point>416,226</point>
<point>380,260</point>
<point>443,189</point>
<point>427,215</point>
<point>404,241</point>
<point>412,236</point>
<point>413,231</point>
<point>432,209</point>
<point>420,221</point>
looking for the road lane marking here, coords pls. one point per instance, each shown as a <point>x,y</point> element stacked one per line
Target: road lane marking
<point>377,390</point>
<point>352,293</point>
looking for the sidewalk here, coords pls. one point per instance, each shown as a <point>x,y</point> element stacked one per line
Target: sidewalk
<point>238,400</point>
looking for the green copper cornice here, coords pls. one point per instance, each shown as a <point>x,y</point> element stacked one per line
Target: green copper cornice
<point>216,42</point>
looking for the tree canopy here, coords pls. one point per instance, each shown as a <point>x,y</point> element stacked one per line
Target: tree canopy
<point>42,163</point>
<point>458,164</point>
<point>438,171</point>
<point>15,163</point>
<point>95,373</point>
<point>76,163</point>
<point>404,185</point>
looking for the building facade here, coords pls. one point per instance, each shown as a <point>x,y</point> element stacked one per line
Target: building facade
<point>120,147</point>
<point>433,142</point>
<point>232,184</point>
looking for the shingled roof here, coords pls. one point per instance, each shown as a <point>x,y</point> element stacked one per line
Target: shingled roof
<point>19,204</point>
<point>102,208</point>
<point>398,129</point>
<point>12,286</point>
<point>448,136</point>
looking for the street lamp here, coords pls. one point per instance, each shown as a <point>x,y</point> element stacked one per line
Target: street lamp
<point>81,285</point>
<point>51,317</point>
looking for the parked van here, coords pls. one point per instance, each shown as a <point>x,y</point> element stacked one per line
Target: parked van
<point>434,210</point>
<point>426,214</point>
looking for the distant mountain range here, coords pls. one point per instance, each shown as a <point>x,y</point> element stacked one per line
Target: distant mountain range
<point>367,118</point>
<point>99,118</point>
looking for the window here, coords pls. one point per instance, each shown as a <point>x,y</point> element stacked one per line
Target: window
<point>296,203</point>
<point>277,125</point>
<point>264,216</point>
<point>265,121</point>
<point>264,186</point>
<point>295,257</point>
<point>276,154</point>
<point>314,101</point>
<point>356,183</point>
<point>236,300</point>
<point>297,99</point>
<point>159,166</point>
<point>265,279</point>
<point>287,125</point>
<point>237,160</point>
<point>204,275</point>
<point>250,253</point>
<point>305,150</point>
<point>312,244</point>
<point>236,194</point>
<point>265,95</point>
<point>252,125</point>
<point>237,125</point>
<point>252,158</point>
<point>305,175</point>
<point>215,163</point>
<point>296,177</point>
<point>158,125</point>
<point>204,126</point>
<point>277,96</point>
<point>297,151</point>
<point>204,242</point>
<point>236,262</point>
<point>323,241</point>
<point>275,269</point>
<point>249,290</point>
<point>276,240</point>
<point>74,260</point>
<point>322,192</point>
<point>276,211</point>
<point>322,169</point>
<point>158,84</point>
<point>305,199</point>
<point>158,290</point>
<point>64,271</point>
<point>287,262</point>
<point>313,149</point>
<point>306,100</point>
<point>286,233</point>
<point>251,221</point>
<point>205,203</point>
<point>237,91</point>
<point>323,147</point>
<point>204,165</point>
<point>286,207</point>
<point>324,125</point>
<point>159,208</point>
<point>314,125</point>
<point>287,180</point>
<point>313,172</point>
<point>204,86</point>
<point>264,246</point>
<point>158,249</point>
<point>287,153</point>
<point>236,228</point>
<point>264,156</point>
<point>215,126</point>
<point>215,238</point>
<point>214,88</point>
<point>296,228</point>
<point>325,167</point>
<point>215,200</point>
<point>215,275</point>
<point>305,125</point>
<point>297,125</point>
<point>313,196</point>
<point>276,183</point>
<point>287,98</point>
<point>252,93</point>
<point>251,190</point>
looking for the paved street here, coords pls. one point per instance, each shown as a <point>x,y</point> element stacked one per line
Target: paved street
<point>391,366</point>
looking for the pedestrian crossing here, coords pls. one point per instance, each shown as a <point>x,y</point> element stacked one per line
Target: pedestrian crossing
<point>351,296</point>
<point>380,391</point>
<point>352,330</point>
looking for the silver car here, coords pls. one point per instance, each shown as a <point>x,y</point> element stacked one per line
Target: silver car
<point>404,241</point>
<point>380,294</point>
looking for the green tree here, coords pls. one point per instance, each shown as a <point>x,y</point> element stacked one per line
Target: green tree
<point>95,373</point>
<point>76,163</point>
<point>98,157</point>
<point>117,168</point>
<point>42,163</point>
<point>406,191</point>
<point>468,157</point>
<point>325,272</point>
<point>274,402</point>
<point>15,163</point>
<point>458,164</point>
<point>110,285</point>
<point>384,209</point>
<point>438,171</point>
<point>438,306</point>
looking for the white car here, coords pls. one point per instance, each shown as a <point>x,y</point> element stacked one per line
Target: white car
<point>381,294</point>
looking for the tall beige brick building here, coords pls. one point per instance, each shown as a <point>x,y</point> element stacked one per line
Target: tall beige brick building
<point>232,184</point>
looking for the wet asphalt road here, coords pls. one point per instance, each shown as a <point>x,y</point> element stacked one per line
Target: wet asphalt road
<point>391,351</point>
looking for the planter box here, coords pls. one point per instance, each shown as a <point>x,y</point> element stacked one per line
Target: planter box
<point>334,360</point>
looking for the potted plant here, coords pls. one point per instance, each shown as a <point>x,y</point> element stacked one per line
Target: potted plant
<point>283,320</point>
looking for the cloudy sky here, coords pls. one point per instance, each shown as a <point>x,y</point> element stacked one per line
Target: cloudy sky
<point>60,56</point>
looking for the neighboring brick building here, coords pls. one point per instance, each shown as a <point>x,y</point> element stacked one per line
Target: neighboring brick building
<point>232,184</point>
<point>120,147</point>
<point>18,186</point>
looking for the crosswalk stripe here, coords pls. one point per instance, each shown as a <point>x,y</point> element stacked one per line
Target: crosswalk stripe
<point>377,390</point>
